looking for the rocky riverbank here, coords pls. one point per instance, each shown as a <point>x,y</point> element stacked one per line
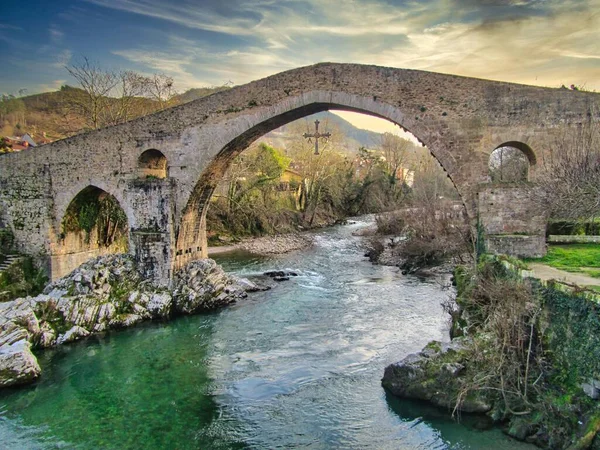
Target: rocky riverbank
<point>272,245</point>
<point>104,293</point>
<point>524,354</point>
<point>268,245</point>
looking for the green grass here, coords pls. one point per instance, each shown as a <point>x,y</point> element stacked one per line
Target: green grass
<point>594,288</point>
<point>573,258</point>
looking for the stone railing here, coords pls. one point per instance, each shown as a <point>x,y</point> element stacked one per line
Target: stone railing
<point>573,239</point>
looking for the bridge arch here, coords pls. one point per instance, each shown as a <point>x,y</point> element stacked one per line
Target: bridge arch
<point>63,201</point>
<point>243,130</point>
<point>152,163</point>
<point>511,162</point>
<point>93,224</point>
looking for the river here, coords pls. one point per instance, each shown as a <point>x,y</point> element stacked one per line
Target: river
<point>298,366</point>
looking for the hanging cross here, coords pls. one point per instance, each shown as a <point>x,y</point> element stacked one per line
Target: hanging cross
<point>317,136</point>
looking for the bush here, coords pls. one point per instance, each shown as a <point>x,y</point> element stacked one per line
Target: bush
<point>391,223</point>
<point>530,348</point>
<point>436,234</point>
<point>569,227</point>
<point>7,240</point>
<point>22,278</point>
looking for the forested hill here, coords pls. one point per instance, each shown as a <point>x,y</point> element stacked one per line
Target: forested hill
<point>62,113</point>
<point>354,137</point>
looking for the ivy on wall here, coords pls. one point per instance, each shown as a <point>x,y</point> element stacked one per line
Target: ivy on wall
<point>574,334</point>
<point>93,209</point>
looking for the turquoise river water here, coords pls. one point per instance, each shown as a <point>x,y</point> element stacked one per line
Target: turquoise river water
<point>295,367</point>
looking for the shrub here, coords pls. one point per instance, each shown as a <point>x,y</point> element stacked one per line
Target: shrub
<point>22,278</point>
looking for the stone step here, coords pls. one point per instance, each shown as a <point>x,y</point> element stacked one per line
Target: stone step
<point>8,261</point>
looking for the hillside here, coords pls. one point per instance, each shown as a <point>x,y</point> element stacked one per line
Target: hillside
<point>59,114</point>
<point>354,137</point>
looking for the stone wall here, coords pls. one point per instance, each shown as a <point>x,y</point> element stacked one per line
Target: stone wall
<point>77,248</point>
<point>521,246</point>
<point>461,120</point>
<point>513,220</point>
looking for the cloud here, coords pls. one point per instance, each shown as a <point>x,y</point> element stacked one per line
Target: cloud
<point>546,42</point>
<point>50,87</point>
<point>56,36</point>
<point>62,58</point>
<point>6,26</point>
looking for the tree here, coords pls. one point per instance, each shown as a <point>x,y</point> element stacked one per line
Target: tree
<point>159,87</point>
<point>570,172</point>
<point>12,109</point>
<point>319,171</point>
<point>97,85</point>
<point>508,164</point>
<point>5,146</point>
<point>108,98</point>
<point>396,152</point>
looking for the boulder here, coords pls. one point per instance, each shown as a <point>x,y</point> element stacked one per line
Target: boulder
<point>17,364</point>
<point>433,375</point>
<point>159,304</point>
<point>203,285</point>
<point>75,333</point>
<point>251,286</point>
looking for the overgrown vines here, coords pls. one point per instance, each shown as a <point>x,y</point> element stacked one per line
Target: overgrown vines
<point>89,211</point>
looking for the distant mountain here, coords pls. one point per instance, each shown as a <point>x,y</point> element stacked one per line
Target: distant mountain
<point>355,137</point>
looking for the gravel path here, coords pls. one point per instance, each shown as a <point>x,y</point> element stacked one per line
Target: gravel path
<point>545,272</point>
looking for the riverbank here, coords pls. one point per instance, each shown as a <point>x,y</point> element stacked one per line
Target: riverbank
<point>102,294</point>
<point>524,354</point>
<point>267,245</point>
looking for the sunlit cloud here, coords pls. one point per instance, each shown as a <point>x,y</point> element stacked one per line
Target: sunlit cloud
<point>212,42</point>
<point>537,42</point>
<point>49,87</point>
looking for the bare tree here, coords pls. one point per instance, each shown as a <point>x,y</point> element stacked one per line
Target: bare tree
<point>508,164</point>
<point>97,85</point>
<point>570,172</point>
<point>108,98</point>
<point>129,88</point>
<point>159,87</point>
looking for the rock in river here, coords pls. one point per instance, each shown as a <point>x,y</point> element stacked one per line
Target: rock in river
<point>433,375</point>
<point>17,364</point>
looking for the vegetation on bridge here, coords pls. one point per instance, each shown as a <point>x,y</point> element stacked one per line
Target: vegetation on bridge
<point>94,209</point>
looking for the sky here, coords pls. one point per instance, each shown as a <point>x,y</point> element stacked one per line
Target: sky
<point>214,42</point>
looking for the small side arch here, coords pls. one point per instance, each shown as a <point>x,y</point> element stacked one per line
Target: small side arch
<point>510,162</point>
<point>93,224</point>
<point>152,163</point>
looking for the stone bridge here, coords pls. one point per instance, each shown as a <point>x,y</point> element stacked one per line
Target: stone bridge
<point>188,148</point>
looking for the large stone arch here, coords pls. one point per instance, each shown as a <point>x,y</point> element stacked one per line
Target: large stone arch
<point>243,130</point>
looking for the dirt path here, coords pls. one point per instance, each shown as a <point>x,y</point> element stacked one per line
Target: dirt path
<point>545,272</point>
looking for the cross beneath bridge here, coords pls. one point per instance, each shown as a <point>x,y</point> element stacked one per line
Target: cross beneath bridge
<point>317,136</point>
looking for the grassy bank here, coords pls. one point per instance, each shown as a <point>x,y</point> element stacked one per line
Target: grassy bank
<point>582,258</point>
